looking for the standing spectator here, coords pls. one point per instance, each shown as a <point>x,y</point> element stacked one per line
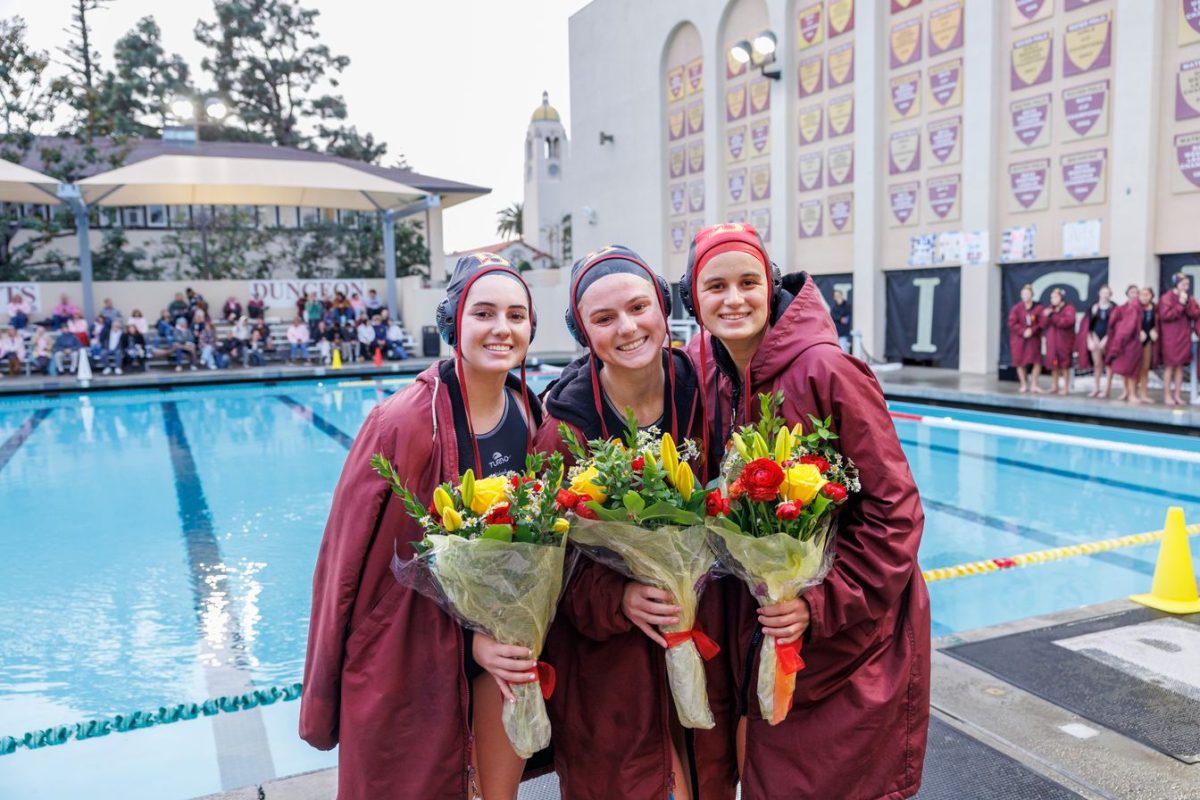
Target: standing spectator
<point>255,355</point>
<point>18,311</point>
<point>1149,336</point>
<point>1024,339</point>
<point>313,311</point>
<point>178,308</point>
<point>366,340</point>
<point>341,308</point>
<point>326,301</point>
<point>1058,320</point>
<point>1178,313</point>
<point>78,326</point>
<point>302,304</point>
<point>112,348</point>
<point>324,342</point>
<point>298,338</point>
<point>42,354</point>
<point>133,345</point>
<point>232,310</point>
<point>241,329</point>
<point>357,305</point>
<point>109,312</point>
<point>256,308</point>
<point>841,313</point>
<point>1095,328</point>
<point>137,322</point>
<point>185,344</point>
<point>12,350</point>
<point>206,340</point>
<point>67,348</point>
<point>395,342</point>
<point>373,304</point>
<point>344,341</point>
<point>195,300</point>
<point>64,311</point>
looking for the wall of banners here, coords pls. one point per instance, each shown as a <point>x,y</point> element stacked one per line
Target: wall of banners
<point>683,98</point>
<point>1178,200</point>
<point>1080,279</point>
<point>746,138</point>
<point>923,316</point>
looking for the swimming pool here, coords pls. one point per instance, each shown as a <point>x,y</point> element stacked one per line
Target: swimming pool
<point>114,503</point>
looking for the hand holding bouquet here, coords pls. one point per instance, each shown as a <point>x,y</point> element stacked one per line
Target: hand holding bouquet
<point>784,490</point>
<point>640,513</point>
<point>493,557</point>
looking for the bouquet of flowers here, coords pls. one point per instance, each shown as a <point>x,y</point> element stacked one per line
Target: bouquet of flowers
<point>493,557</point>
<point>785,488</point>
<point>639,511</point>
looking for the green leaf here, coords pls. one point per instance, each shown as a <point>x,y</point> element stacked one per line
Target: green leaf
<point>501,533</point>
<point>633,501</point>
<point>669,512</point>
<point>608,514</point>
<point>526,534</point>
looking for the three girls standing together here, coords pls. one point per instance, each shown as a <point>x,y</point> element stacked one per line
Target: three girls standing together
<point>1128,340</point>
<point>414,702</point>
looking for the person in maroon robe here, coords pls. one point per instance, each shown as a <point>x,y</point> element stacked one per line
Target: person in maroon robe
<point>1090,343</point>
<point>615,730</point>
<point>1123,354</point>
<point>1025,340</point>
<point>1178,313</point>
<point>861,711</point>
<point>1058,321</point>
<point>412,701</point>
<point>1150,337</point>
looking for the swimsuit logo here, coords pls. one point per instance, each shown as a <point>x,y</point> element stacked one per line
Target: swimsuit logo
<point>498,459</point>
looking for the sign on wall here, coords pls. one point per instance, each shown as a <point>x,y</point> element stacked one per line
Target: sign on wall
<point>1028,182</point>
<point>841,213</point>
<point>30,292</point>
<point>944,140</point>
<point>902,199</point>
<point>1189,22</point>
<point>1187,162</point>
<point>1187,90</point>
<point>1083,177</point>
<point>1027,11</point>
<point>1080,280</point>
<point>1032,61</point>
<point>284,292</point>
<point>1085,110</point>
<point>1087,45</point>
<point>923,315</point>
<point>1030,122</point>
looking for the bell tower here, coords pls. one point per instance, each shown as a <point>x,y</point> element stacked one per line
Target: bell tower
<point>545,162</point>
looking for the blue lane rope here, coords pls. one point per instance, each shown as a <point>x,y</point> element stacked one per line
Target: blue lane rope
<point>164,715</point>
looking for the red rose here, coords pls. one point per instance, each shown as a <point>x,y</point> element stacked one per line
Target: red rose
<point>516,481</point>
<point>725,506</point>
<point>714,504</point>
<point>537,486</point>
<point>583,511</point>
<point>816,461</point>
<point>762,478</point>
<point>498,515</point>
<point>787,511</point>
<point>835,492</point>
<point>736,490</point>
<point>566,498</point>
<point>638,464</point>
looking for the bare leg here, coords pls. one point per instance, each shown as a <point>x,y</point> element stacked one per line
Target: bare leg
<point>1066,381</point>
<point>498,768</point>
<point>683,785</point>
<point>741,746</point>
<point>1033,380</point>
<point>1097,371</point>
<point>1021,378</point>
<point>1144,377</point>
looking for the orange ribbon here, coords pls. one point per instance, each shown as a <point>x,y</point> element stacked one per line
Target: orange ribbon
<point>707,648</point>
<point>789,658</point>
<point>788,663</point>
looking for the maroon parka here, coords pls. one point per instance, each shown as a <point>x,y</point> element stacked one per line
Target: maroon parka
<point>1059,327</point>
<point>1026,351</point>
<point>1124,350</point>
<point>857,730</point>
<point>1176,321</point>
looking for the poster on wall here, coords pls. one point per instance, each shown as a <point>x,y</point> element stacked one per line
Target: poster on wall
<point>695,117</point>
<point>905,95</point>
<point>1030,122</point>
<point>976,248</point>
<point>1085,110</point>
<point>945,85</point>
<point>810,75</point>
<point>760,218</point>
<point>695,75</point>
<point>905,43</point>
<point>809,123</point>
<point>735,183</point>
<point>920,250</point>
<point>696,197</point>
<point>679,236</point>
<point>810,215</point>
<point>1080,280</point>
<point>695,156</point>
<point>675,124</point>
<point>841,165</point>
<point>735,103</point>
<point>943,192</point>
<point>1031,61</point>
<point>1027,11</point>
<point>904,151</point>
<point>1083,177</point>
<point>677,193</point>
<point>760,95</point>
<point>946,28</point>
<point>841,116</point>
<point>675,84</point>
<point>944,138</point>
<point>735,143</point>
<point>677,161</point>
<point>841,65</point>
<point>1087,45</point>
<point>923,315</point>
<point>841,17</point>
<point>903,5</point>
<point>811,171</point>
<point>760,182</point>
<point>1018,243</point>
<point>760,138</point>
<point>31,293</point>
<point>1189,22</point>
<point>737,216</point>
<point>841,213</point>
<point>1081,238</point>
<point>949,248</point>
<point>1028,181</point>
<point>810,28</point>
<point>1187,90</point>
<point>902,199</point>
<point>1186,177</point>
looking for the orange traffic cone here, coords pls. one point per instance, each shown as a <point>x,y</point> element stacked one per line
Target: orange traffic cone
<point>378,360</point>
<point>1174,587</point>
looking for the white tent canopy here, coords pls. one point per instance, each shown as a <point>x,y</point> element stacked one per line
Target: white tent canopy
<point>22,185</point>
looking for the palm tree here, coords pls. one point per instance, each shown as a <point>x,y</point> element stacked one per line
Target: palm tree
<point>509,224</point>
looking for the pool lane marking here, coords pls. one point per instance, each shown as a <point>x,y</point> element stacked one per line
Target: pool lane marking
<point>1042,556</point>
<point>1107,446</point>
<point>243,751</point>
<point>13,443</point>
<point>320,423</point>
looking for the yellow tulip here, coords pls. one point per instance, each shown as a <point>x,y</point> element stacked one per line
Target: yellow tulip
<point>561,525</point>
<point>442,500</point>
<point>584,483</point>
<point>685,481</point>
<point>802,482</point>
<point>451,519</point>
<point>466,487</point>
<point>740,445</point>
<point>488,492</point>
<point>651,461</point>
<point>758,446</point>
<point>670,456</point>
<point>783,445</point>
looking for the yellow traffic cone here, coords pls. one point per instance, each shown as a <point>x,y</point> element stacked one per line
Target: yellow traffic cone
<point>1174,587</point>
<point>337,358</point>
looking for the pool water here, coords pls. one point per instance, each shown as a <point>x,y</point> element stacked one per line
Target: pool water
<point>112,502</point>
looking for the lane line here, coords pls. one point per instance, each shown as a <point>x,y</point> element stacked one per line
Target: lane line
<point>13,443</point>
<point>323,425</point>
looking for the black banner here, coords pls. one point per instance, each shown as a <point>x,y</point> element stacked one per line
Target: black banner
<point>1187,263</point>
<point>923,313</point>
<point>1080,279</point>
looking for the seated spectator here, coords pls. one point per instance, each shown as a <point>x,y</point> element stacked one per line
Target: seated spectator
<point>163,344</point>
<point>206,340</point>
<point>255,354</point>
<point>264,333</point>
<point>298,338</point>
<point>99,333</point>
<point>64,311</point>
<point>324,342</point>
<point>109,312</point>
<point>256,308</point>
<point>165,325</point>
<point>66,351</point>
<point>341,308</point>
<point>178,308</point>
<point>133,345</point>
<point>373,304</point>
<point>380,326</point>
<point>325,300</point>
<point>137,322</point>
<point>41,347</point>
<point>232,348</point>
<point>78,326</point>
<point>195,300</point>
<point>395,342</point>
<point>185,344</point>
<point>366,340</point>
<point>199,320</point>
<point>12,350</point>
<point>18,312</point>
<point>357,305</point>
<point>241,329</point>
<point>232,310</point>
<point>112,347</point>
<point>345,341</point>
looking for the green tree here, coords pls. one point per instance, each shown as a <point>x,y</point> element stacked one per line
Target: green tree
<point>145,80</point>
<point>328,250</point>
<point>25,99</point>
<point>509,221</point>
<point>117,261</point>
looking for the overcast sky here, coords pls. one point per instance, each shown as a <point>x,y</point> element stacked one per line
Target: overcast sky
<point>450,84</point>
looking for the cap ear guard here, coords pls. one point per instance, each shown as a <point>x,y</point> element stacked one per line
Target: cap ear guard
<point>445,322</point>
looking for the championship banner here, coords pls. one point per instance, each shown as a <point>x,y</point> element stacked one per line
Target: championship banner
<point>737,216</point>
<point>32,294</point>
<point>675,85</point>
<point>1030,120</point>
<point>735,143</point>
<point>945,85</point>
<point>695,156</point>
<point>1189,22</point>
<point>679,236</point>
<point>945,140</point>
<point>810,29</point>
<point>841,115</point>
<point>841,165</point>
<point>1186,177</point>
<point>903,5</point>
<point>1083,177</point>
<point>1080,279</point>
<point>841,17</point>
<point>1027,11</point>
<point>760,138</point>
<point>827,284</point>
<point>735,103</point>
<point>760,183</point>
<point>1071,5</point>
<point>695,117</point>
<point>760,95</point>
<point>694,226</point>
<point>841,213</point>
<point>1087,45</point>
<point>733,67</point>
<point>1085,110</point>
<point>923,315</point>
<point>902,198</point>
<point>675,124</point>
<point>905,94</point>
<point>695,75</point>
<point>904,151</point>
<point>677,193</point>
<point>696,197</point>
<point>809,123</point>
<point>811,171</point>
<point>841,65</point>
<point>1028,181</point>
<point>943,193</point>
<point>1168,265</point>
<point>677,161</point>
<point>760,218</point>
<point>905,42</point>
<point>810,214</point>
<point>809,75</point>
<point>1187,90</point>
<point>946,28</point>
<point>736,185</point>
<point>1031,61</point>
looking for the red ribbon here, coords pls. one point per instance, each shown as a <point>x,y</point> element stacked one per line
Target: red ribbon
<point>788,656</point>
<point>706,646</point>
<point>547,678</point>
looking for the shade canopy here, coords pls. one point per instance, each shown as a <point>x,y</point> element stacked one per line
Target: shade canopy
<point>22,185</point>
<point>204,180</point>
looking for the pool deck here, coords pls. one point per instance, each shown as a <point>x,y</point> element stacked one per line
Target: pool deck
<point>1018,738</point>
